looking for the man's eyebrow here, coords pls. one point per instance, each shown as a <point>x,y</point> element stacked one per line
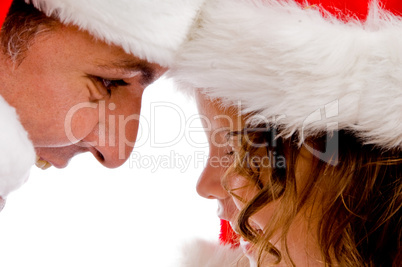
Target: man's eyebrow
<point>130,66</point>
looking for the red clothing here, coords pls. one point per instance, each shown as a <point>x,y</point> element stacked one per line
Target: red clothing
<point>228,236</point>
<point>4,6</point>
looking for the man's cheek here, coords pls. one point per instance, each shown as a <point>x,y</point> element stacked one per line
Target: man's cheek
<point>81,120</point>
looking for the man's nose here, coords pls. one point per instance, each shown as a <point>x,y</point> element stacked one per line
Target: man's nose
<point>209,183</point>
<point>114,138</point>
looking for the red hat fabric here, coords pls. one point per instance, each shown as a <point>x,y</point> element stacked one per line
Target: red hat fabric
<point>352,8</point>
<point>4,6</point>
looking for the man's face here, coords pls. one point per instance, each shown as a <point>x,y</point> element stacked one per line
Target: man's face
<point>74,94</point>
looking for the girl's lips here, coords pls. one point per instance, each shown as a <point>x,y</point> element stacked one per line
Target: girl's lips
<point>246,246</point>
<point>256,227</point>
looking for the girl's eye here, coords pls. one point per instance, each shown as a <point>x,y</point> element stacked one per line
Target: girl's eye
<point>233,146</point>
<point>231,152</point>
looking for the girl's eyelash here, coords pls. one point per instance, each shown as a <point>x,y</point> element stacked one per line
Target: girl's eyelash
<point>230,153</point>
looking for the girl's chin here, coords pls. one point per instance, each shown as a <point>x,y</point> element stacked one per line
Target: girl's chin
<point>252,254</point>
<point>249,251</point>
<point>246,247</point>
<point>252,260</point>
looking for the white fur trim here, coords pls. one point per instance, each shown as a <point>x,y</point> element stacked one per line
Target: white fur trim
<point>17,152</point>
<point>281,59</point>
<point>149,29</point>
<point>201,253</point>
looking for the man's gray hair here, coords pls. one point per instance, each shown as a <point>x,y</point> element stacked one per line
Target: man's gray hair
<point>21,26</point>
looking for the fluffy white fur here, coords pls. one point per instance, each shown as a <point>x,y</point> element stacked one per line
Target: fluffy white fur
<point>317,74</point>
<point>17,152</point>
<point>150,29</point>
<point>201,253</point>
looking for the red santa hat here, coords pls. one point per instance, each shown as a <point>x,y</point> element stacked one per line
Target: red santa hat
<point>309,66</point>
<point>150,29</point>
<point>4,6</point>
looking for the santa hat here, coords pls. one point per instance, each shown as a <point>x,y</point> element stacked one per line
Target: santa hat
<point>309,66</point>
<point>4,6</point>
<point>150,29</point>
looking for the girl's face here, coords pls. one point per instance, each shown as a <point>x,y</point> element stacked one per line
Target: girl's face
<point>218,123</point>
<point>301,238</point>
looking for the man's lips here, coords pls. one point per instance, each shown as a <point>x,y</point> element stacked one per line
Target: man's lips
<point>58,157</point>
<point>42,164</point>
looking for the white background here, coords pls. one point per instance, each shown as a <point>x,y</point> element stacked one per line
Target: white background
<point>137,215</point>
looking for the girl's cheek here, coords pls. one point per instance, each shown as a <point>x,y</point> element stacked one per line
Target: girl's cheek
<point>243,190</point>
<point>239,205</point>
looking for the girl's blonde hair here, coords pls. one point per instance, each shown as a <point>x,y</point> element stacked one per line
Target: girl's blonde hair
<point>360,213</point>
